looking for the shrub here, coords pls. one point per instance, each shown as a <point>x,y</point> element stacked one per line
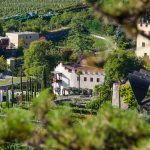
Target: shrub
<point>128,97</point>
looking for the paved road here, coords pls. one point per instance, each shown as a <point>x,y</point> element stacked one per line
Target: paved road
<point>99,37</point>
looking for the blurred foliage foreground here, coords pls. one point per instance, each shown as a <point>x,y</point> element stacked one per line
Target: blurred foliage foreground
<point>123,12</point>
<point>47,126</point>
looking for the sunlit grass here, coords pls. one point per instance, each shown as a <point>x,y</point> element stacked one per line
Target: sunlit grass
<point>8,81</point>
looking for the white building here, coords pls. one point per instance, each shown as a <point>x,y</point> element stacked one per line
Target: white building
<point>65,76</point>
<point>143,43</point>
<point>11,63</point>
<point>26,37</point>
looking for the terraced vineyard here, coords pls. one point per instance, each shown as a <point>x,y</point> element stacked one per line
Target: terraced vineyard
<point>17,7</point>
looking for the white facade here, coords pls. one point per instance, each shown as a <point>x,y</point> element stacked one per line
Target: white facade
<point>27,38</point>
<point>11,62</point>
<point>143,43</point>
<point>67,77</point>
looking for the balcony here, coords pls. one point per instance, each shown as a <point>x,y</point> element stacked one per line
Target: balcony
<point>57,77</point>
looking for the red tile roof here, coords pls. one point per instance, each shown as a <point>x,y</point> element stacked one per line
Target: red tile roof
<point>84,68</point>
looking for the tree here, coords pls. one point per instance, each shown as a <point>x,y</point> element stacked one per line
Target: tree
<point>35,87</point>
<point>1,30</point>
<point>38,55</point>
<point>30,87</point>
<point>21,44</point>
<point>21,84</point>
<point>79,73</point>
<point>44,79</point>
<point>3,64</point>
<point>35,25</point>
<point>11,26</point>
<point>119,64</point>
<point>79,39</point>
<point>121,39</point>
<point>12,90</point>
<point>65,54</point>
<point>7,98</point>
<point>104,95</point>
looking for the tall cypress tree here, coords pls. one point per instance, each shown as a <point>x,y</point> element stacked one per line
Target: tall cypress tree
<point>28,90</point>
<point>35,88</point>
<point>1,104</point>
<point>32,91</point>
<point>21,86</point>
<point>30,82</point>
<point>7,99</point>
<point>12,90</point>
<point>44,79</point>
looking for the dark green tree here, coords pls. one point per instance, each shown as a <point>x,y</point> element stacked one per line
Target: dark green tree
<point>28,91</point>
<point>37,56</point>
<point>79,39</point>
<point>44,79</point>
<point>26,99</point>
<point>30,85</point>
<point>35,87</point>
<point>12,90</point>
<point>21,84</point>
<point>119,64</point>
<point>7,98</point>
<point>3,64</point>
<point>12,26</point>
<point>1,30</point>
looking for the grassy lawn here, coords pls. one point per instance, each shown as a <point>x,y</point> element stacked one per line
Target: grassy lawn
<point>8,81</point>
<point>103,45</point>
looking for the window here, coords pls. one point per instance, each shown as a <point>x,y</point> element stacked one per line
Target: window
<point>98,79</point>
<point>91,79</point>
<point>142,31</point>
<point>70,70</point>
<point>77,78</point>
<point>143,44</point>
<point>85,79</point>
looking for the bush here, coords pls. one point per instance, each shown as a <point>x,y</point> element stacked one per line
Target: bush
<point>104,95</point>
<point>58,128</point>
<point>111,129</point>
<point>128,97</point>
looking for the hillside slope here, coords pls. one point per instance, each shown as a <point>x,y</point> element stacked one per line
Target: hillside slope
<point>17,7</point>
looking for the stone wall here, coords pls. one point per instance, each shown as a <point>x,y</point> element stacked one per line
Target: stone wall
<point>117,101</point>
